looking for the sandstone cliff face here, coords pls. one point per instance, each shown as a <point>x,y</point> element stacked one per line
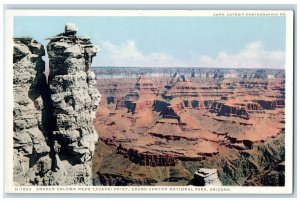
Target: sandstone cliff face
<point>146,159</point>
<point>223,109</point>
<point>54,138</point>
<point>75,99</point>
<point>31,149</point>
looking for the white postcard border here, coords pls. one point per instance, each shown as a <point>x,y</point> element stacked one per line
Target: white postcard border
<point>8,92</point>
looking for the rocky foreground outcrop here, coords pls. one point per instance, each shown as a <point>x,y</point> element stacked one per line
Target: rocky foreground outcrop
<point>206,177</point>
<point>53,133</point>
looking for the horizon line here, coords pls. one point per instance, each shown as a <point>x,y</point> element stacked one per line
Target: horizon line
<point>94,66</point>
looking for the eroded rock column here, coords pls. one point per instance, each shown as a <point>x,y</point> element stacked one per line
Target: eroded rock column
<point>31,149</point>
<point>74,100</point>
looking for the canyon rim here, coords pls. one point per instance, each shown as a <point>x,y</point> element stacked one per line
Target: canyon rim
<point>136,114</point>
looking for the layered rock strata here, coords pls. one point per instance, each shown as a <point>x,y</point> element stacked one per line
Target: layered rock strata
<point>161,121</point>
<point>31,148</point>
<point>53,132</point>
<point>225,121</point>
<point>75,100</point>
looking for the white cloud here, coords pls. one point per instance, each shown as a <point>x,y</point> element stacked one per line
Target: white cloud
<point>253,55</point>
<point>127,54</point>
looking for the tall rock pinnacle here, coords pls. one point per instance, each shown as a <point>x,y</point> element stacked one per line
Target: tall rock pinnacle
<point>53,122</point>
<point>74,102</point>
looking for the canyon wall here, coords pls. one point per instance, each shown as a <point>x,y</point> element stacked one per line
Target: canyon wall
<point>230,125</point>
<point>53,133</point>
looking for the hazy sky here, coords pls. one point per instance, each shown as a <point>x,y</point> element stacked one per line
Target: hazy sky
<point>172,41</point>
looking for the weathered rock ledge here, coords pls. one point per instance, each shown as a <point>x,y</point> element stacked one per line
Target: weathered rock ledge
<point>206,177</point>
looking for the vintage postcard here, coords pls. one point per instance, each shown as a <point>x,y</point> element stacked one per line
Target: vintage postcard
<point>149,101</point>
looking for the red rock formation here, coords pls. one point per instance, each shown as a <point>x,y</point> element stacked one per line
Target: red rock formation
<point>181,88</point>
<point>251,106</point>
<point>271,104</point>
<point>190,120</point>
<point>146,159</point>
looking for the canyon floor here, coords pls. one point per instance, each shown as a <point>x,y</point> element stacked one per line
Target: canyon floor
<point>158,130</point>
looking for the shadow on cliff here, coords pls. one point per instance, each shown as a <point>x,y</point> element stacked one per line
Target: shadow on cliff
<point>40,88</point>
